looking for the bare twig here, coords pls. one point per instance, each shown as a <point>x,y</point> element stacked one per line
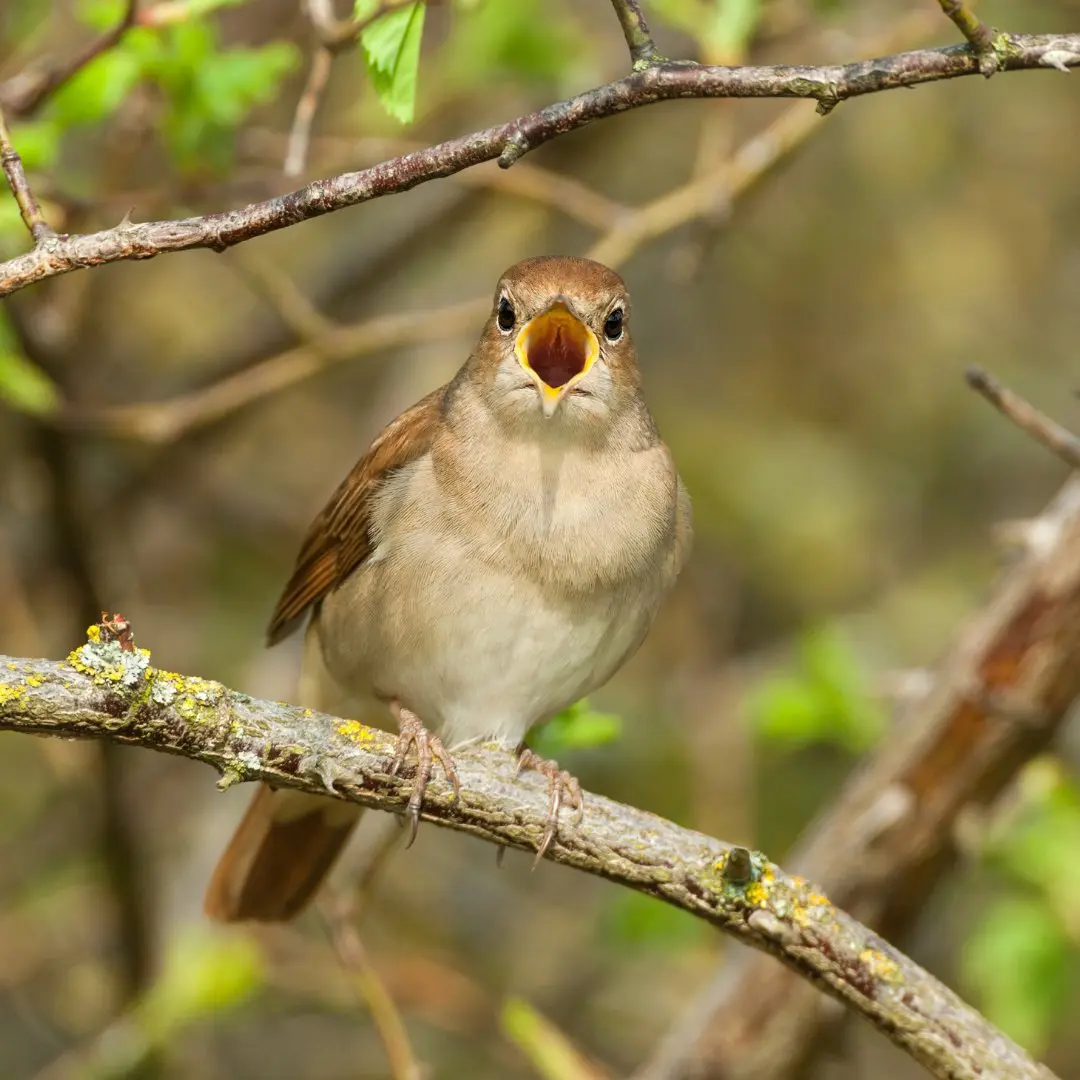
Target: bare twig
<point>322,61</point>
<point>339,915</point>
<point>162,422</point>
<point>1025,416</point>
<point>26,92</point>
<point>104,692</point>
<point>12,165</point>
<point>827,85</point>
<point>643,51</point>
<point>983,38</point>
<point>529,181</point>
<point>996,700</point>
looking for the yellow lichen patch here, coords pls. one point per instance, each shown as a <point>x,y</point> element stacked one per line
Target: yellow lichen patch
<point>353,729</point>
<point>11,693</point>
<point>757,893</point>
<point>11,666</point>
<point>93,633</point>
<point>34,680</point>
<point>879,965</point>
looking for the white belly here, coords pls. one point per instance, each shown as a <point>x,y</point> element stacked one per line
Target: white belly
<point>476,654</point>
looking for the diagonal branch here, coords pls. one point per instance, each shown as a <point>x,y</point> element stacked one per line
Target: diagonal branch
<point>27,92</point>
<point>999,696</point>
<point>508,142</point>
<point>108,690</point>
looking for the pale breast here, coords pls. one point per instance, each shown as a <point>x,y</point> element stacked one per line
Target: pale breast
<point>489,606</point>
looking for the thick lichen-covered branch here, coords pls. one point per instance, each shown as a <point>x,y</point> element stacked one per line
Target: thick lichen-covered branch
<point>827,85</point>
<point>107,689</point>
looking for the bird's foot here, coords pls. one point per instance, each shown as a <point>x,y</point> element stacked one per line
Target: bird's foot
<point>429,749</point>
<point>561,784</point>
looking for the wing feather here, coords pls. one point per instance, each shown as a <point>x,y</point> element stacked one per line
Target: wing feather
<point>339,539</point>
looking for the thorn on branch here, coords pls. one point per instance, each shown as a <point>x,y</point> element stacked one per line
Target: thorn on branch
<point>738,866</point>
<point>982,38</point>
<point>1025,416</point>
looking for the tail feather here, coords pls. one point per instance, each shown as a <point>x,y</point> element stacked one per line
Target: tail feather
<point>279,855</point>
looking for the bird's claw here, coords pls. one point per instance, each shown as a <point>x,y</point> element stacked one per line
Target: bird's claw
<point>429,749</point>
<point>560,782</point>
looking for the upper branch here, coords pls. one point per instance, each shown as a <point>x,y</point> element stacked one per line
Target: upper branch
<point>508,142</point>
<point>108,690</point>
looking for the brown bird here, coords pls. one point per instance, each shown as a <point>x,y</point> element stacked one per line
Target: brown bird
<point>499,552</point>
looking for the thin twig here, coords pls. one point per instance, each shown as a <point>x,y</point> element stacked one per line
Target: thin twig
<point>322,62</point>
<point>162,422</point>
<point>12,165</point>
<point>827,85</point>
<point>1025,416</point>
<point>643,51</point>
<point>339,915</point>
<point>275,286</point>
<point>25,93</point>
<point>105,691</point>
<point>983,38</point>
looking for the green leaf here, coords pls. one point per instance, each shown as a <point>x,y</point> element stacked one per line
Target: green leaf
<point>204,975</point>
<point>97,91</point>
<point>392,49</point>
<point>25,387</point>
<point>823,700</point>
<point>1016,962</point>
<point>576,728</point>
<point>634,918</point>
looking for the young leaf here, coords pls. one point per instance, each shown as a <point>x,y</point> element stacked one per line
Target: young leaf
<point>576,728</point>
<point>392,49</point>
<point>25,387</point>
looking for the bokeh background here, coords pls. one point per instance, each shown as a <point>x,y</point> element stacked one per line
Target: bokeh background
<point>803,343</point>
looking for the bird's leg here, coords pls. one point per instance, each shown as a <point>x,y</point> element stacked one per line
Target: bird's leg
<point>559,782</point>
<point>429,749</point>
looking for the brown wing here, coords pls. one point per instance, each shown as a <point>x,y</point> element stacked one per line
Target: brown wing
<point>340,537</point>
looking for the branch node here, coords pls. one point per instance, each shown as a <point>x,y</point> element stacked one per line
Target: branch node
<point>514,149</point>
<point>643,51</point>
<point>738,866</point>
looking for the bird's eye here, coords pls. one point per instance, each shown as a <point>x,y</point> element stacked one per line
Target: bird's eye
<point>506,316</point>
<point>613,325</point>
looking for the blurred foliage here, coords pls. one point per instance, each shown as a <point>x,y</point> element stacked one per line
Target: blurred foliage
<point>1021,960</point>
<point>579,727</point>
<point>823,699</point>
<point>22,385</point>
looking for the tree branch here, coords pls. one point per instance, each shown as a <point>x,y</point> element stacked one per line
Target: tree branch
<point>643,51</point>
<point>24,94</point>
<point>508,142</point>
<point>12,167</point>
<point>999,696</point>
<point>108,690</point>
<point>983,38</point>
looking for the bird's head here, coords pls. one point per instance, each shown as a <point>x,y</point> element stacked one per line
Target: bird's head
<point>557,343</point>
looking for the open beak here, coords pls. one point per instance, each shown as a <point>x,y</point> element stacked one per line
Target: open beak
<point>557,349</point>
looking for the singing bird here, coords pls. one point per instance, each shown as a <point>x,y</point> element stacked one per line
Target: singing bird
<point>498,553</point>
